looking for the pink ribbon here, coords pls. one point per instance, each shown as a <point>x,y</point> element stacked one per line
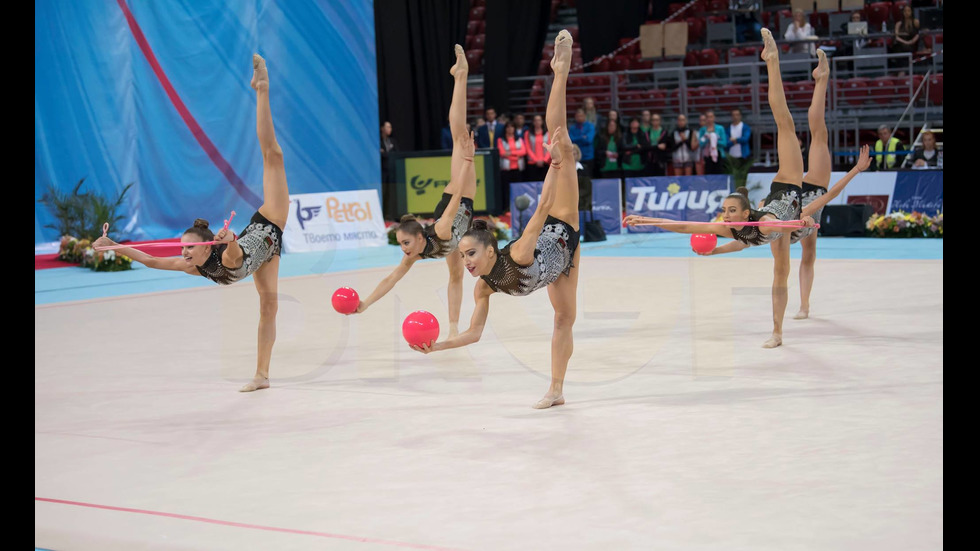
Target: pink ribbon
<point>105,230</point>
<point>767,224</point>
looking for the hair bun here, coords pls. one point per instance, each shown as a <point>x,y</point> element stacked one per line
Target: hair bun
<point>201,223</point>
<point>481,225</point>
<point>742,190</point>
<point>407,218</point>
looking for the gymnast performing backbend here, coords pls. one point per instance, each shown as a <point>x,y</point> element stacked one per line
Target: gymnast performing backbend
<point>224,259</point>
<point>781,213</point>
<point>547,253</point>
<point>453,214</point>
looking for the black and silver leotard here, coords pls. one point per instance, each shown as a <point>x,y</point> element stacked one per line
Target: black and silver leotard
<point>783,202</point>
<point>810,194</point>
<point>438,248</point>
<point>553,256</point>
<point>260,241</point>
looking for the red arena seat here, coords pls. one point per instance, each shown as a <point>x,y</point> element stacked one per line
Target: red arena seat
<point>475,59</point>
<point>640,64</point>
<point>631,50</point>
<point>854,90</point>
<point>718,5</point>
<point>604,65</point>
<point>701,97</point>
<point>620,63</point>
<point>656,99</point>
<point>675,7</point>
<point>695,29</point>
<point>709,57</point>
<point>897,7</point>
<point>877,13</point>
<point>882,90</point>
<point>802,94</point>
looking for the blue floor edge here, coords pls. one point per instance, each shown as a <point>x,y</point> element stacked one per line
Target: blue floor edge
<point>72,284</point>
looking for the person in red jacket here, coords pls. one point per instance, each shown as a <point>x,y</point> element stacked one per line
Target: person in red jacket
<point>512,159</point>
<point>538,158</point>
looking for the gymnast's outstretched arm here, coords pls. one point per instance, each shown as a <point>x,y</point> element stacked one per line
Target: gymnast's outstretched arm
<point>481,296</point>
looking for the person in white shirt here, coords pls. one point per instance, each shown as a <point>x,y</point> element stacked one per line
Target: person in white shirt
<point>800,29</point>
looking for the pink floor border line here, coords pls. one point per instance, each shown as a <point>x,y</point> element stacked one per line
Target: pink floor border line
<point>244,525</point>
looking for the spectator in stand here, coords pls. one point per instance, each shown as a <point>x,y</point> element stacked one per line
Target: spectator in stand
<point>388,145</point>
<point>906,36</point>
<point>478,122</point>
<point>646,121</point>
<point>714,143</point>
<point>608,149</point>
<point>739,136</point>
<point>487,134</point>
<point>636,149</point>
<point>582,134</point>
<point>854,46</point>
<point>929,156</point>
<point>658,137</point>
<point>584,182</point>
<point>520,127</point>
<point>612,115</point>
<point>512,159</point>
<point>696,146</point>
<point>590,113</point>
<point>800,29</point>
<point>681,140</point>
<point>886,143</point>
<point>747,25</point>
<point>538,158</point>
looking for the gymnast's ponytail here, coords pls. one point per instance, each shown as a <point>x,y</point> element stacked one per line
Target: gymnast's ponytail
<point>200,230</point>
<point>742,196</point>
<point>410,225</point>
<point>480,231</point>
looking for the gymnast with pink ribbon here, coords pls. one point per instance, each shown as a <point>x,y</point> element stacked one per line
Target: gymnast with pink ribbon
<point>225,258</point>
<point>782,213</point>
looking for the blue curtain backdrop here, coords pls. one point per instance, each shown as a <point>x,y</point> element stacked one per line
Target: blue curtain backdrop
<point>102,112</point>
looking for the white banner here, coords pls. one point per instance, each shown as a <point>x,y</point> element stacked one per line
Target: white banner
<point>335,220</point>
<point>871,187</point>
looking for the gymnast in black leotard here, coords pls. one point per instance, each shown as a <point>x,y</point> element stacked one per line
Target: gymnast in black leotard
<point>257,250</point>
<point>783,203</point>
<point>453,214</point>
<point>547,253</point>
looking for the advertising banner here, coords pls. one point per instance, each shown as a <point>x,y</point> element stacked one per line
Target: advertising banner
<point>335,220</point>
<point>682,198</point>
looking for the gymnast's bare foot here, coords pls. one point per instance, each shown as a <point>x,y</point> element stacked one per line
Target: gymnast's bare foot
<point>802,314</point>
<point>770,52</point>
<point>822,72</point>
<point>562,60</point>
<point>774,341</point>
<point>258,383</point>
<point>453,330</point>
<point>461,63</point>
<point>260,76</point>
<point>550,399</point>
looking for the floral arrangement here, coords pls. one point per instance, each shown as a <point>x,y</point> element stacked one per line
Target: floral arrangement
<point>80,251</point>
<point>903,224</point>
<point>106,261</point>
<point>72,249</point>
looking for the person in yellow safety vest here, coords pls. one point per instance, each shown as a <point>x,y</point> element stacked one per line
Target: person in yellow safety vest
<point>886,143</point>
